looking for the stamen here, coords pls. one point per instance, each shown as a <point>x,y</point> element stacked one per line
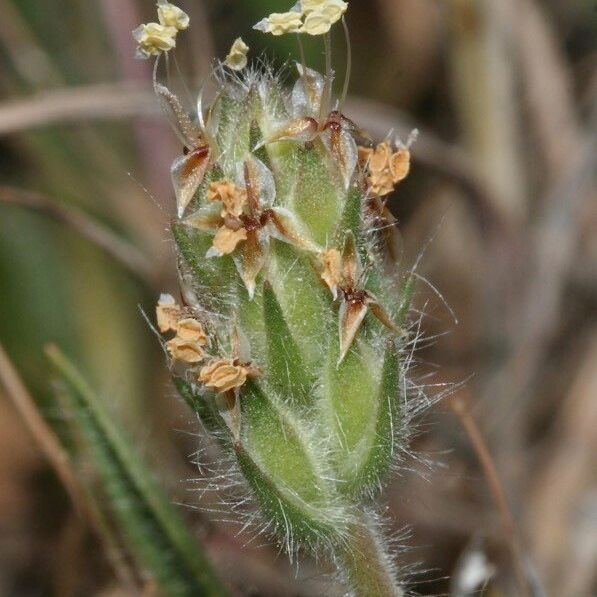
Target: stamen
<point>348,64</point>
<point>155,69</point>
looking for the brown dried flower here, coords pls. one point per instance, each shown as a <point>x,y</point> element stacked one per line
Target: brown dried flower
<point>331,260</point>
<point>168,312</point>
<point>187,351</point>
<point>226,240</point>
<point>386,167</point>
<point>191,329</point>
<point>232,197</point>
<point>226,374</point>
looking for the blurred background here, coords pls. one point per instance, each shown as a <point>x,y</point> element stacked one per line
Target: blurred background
<point>500,206</point>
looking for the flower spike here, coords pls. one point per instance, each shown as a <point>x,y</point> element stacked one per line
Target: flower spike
<point>281,271</point>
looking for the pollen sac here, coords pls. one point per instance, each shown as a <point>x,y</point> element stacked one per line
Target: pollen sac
<point>153,39</point>
<point>237,57</point>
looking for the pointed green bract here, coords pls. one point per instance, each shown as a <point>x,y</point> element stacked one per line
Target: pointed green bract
<point>352,219</point>
<point>284,468</point>
<point>256,140</point>
<point>349,405</point>
<point>318,202</point>
<point>304,300</point>
<point>214,281</point>
<point>286,372</point>
<point>380,448</point>
<point>205,409</point>
<point>406,297</point>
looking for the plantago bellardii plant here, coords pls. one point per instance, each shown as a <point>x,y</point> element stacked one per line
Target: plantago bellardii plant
<point>289,334</point>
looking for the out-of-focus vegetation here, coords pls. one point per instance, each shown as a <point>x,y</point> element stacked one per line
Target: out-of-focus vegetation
<point>500,204</point>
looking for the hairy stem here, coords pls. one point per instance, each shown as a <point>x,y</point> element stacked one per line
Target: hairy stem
<point>365,559</point>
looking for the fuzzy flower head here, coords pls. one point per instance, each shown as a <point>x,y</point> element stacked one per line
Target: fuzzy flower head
<point>153,39</point>
<point>237,57</point>
<point>172,16</point>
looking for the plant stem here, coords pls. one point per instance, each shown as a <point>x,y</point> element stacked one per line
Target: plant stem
<point>368,565</point>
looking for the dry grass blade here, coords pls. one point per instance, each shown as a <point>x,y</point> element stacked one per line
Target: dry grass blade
<point>41,431</point>
<point>555,241</point>
<point>461,409</point>
<point>102,101</point>
<point>562,491</point>
<point>120,250</point>
<point>547,87</point>
<point>60,462</point>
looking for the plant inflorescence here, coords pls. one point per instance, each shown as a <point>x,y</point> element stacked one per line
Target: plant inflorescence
<point>289,338</point>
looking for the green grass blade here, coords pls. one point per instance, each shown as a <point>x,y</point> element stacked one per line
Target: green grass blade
<point>156,531</point>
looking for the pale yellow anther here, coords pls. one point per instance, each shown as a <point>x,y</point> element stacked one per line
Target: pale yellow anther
<point>168,313</point>
<point>237,57</point>
<point>226,240</point>
<point>232,197</point>
<point>187,351</point>
<point>320,16</point>
<point>308,6</point>
<point>222,375</point>
<point>190,329</point>
<point>331,274</point>
<point>333,9</point>
<point>316,23</point>
<point>172,16</point>
<point>154,38</point>
<point>280,23</point>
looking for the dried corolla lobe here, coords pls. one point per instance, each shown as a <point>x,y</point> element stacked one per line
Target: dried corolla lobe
<point>307,105</point>
<point>290,343</point>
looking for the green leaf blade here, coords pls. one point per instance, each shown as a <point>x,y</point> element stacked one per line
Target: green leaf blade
<point>155,530</point>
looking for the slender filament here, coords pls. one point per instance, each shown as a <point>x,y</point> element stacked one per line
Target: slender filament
<point>183,80</point>
<point>302,52</point>
<point>327,90</point>
<point>348,64</point>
